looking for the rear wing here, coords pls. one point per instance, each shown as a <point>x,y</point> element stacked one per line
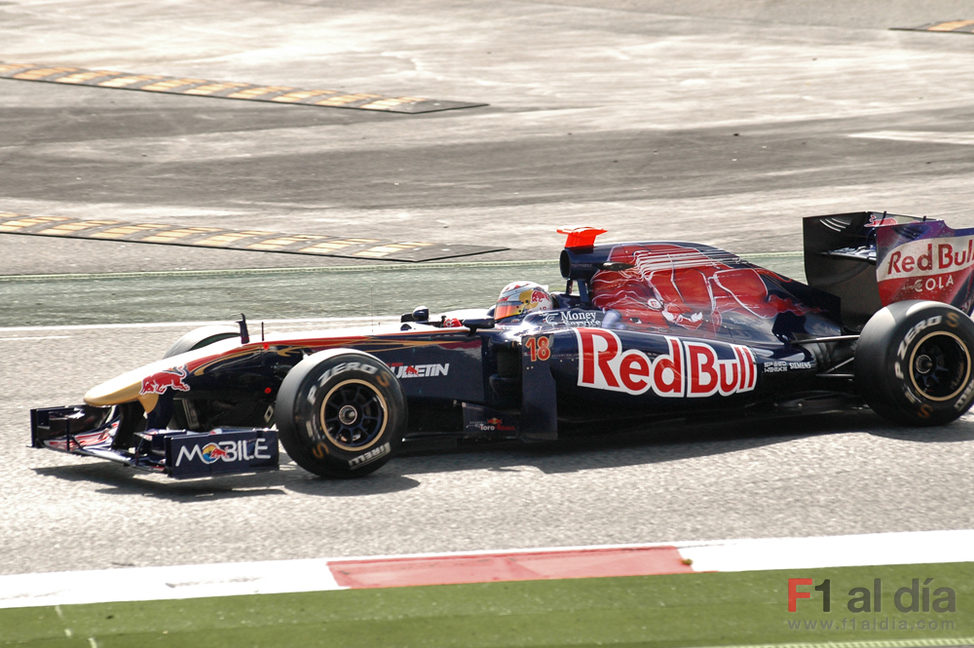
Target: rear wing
<point>872,259</point>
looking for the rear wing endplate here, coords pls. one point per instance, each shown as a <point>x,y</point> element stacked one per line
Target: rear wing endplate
<point>872,259</point>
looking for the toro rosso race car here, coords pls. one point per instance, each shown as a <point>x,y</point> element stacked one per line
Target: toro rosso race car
<point>642,331</point>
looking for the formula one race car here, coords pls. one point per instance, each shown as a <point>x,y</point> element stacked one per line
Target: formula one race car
<point>642,331</point>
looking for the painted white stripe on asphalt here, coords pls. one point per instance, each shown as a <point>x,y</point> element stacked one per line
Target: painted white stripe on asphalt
<point>900,548</point>
<point>164,583</point>
<point>924,137</point>
<point>35,337</point>
<point>307,575</point>
<point>253,324</point>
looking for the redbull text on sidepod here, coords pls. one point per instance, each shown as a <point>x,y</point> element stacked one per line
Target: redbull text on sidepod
<point>688,369</point>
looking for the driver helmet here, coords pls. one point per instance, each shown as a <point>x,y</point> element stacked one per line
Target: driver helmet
<point>522,297</point>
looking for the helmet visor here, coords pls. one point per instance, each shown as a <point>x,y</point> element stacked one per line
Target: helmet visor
<point>506,309</point>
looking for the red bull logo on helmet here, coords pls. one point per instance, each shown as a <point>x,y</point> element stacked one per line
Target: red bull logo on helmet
<point>520,297</point>
<point>688,369</point>
<point>160,383</point>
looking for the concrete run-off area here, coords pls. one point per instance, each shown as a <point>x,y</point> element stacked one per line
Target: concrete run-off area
<point>716,121</point>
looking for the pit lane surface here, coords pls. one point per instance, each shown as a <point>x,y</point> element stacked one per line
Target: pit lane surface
<point>724,123</point>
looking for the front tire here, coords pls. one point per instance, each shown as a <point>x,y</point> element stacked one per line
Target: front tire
<point>340,413</point>
<point>914,363</point>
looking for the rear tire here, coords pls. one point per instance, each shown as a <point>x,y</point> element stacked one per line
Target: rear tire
<point>340,413</point>
<point>914,363</point>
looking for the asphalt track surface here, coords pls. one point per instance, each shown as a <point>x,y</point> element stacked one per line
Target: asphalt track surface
<point>722,122</point>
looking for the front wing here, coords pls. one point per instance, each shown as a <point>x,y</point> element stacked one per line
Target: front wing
<point>91,432</point>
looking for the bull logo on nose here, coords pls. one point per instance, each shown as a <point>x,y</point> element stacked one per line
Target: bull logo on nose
<point>160,383</point>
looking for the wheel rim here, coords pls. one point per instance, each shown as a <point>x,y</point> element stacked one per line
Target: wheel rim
<point>940,366</point>
<point>353,415</point>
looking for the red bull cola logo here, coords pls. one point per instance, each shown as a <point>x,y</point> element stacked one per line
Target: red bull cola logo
<point>160,383</point>
<point>928,257</point>
<point>936,268</point>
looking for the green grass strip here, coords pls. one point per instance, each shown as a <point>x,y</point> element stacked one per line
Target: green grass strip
<point>711,609</point>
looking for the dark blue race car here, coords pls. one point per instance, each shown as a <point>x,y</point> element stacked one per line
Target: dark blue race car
<point>643,330</point>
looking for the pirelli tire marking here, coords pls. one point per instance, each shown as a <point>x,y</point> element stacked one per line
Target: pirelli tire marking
<point>188,86</point>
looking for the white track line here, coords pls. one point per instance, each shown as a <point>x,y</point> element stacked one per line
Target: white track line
<point>921,137</point>
<point>253,324</point>
<point>165,583</point>
<point>832,551</point>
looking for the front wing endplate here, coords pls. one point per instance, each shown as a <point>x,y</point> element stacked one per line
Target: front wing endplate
<point>91,432</point>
